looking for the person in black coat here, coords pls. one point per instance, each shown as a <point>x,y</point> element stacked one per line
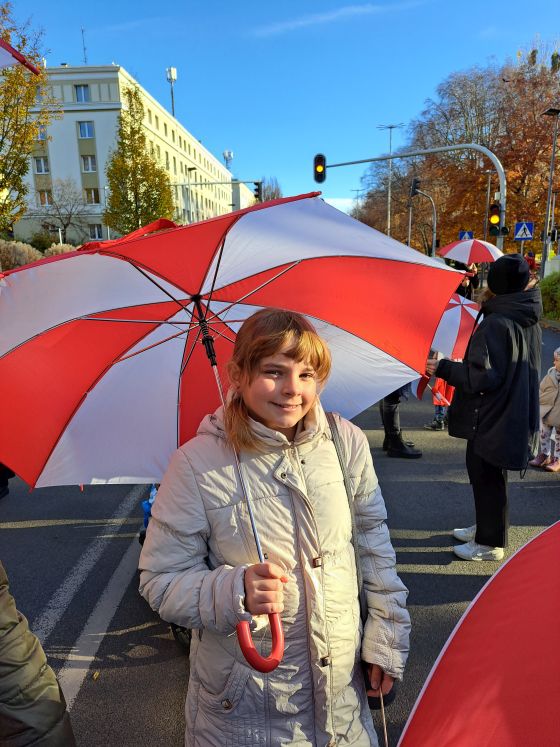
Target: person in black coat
<point>496,402</point>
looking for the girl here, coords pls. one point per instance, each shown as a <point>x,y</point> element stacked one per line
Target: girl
<point>199,563</point>
<point>549,398</point>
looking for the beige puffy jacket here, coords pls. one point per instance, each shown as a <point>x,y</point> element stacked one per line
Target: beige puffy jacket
<point>549,398</point>
<point>198,544</point>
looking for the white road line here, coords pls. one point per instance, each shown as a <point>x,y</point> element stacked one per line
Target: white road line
<point>44,625</point>
<point>73,673</point>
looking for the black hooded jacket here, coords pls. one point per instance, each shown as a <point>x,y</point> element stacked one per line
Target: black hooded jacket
<point>496,401</point>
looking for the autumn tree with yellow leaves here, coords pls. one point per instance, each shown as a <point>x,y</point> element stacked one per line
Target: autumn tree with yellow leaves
<point>26,108</point>
<point>139,188</point>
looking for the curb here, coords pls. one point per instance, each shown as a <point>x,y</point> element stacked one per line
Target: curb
<point>550,323</point>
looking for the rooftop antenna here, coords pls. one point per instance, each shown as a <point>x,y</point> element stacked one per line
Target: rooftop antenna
<point>171,75</point>
<point>84,45</point>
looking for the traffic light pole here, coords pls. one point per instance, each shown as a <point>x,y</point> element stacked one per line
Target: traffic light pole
<point>449,149</point>
<point>434,221</point>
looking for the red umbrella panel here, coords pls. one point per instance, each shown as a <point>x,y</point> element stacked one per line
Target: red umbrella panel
<point>496,683</point>
<point>101,365</point>
<point>452,335</point>
<point>471,250</point>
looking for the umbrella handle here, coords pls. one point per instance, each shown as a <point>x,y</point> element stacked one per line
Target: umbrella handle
<point>252,656</point>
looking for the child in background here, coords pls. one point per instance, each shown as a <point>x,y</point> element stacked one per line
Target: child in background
<point>549,398</point>
<point>199,566</point>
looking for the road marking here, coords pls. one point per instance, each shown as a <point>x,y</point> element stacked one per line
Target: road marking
<point>73,673</point>
<point>44,625</point>
<point>42,523</point>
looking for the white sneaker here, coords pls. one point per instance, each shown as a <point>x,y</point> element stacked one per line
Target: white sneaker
<point>465,535</point>
<point>473,551</point>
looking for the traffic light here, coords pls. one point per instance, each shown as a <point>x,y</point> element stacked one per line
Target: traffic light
<point>414,184</point>
<point>494,219</point>
<point>319,168</point>
<point>257,191</point>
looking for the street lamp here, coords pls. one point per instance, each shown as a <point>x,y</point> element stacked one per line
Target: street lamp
<point>390,127</point>
<point>551,112</point>
<point>171,75</point>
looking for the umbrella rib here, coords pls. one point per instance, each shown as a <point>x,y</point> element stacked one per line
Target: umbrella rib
<point>258,288</point>
<point>161,288</point>
<point>155,344</point>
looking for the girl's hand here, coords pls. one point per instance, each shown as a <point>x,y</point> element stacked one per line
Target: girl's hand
<point>379,680</point>
<point>264,592</point>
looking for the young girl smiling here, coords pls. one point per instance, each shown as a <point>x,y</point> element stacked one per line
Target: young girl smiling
<point>200,569</point>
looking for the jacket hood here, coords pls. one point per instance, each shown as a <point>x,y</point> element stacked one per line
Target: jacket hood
<point>524,307</point>
<point>313,424</point>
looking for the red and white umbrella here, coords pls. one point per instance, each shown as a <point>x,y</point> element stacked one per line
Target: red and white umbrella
<point>496,682</point>
<point>101,368</point>
<point>10,56</point>
<point>468,251</point>
<point>452,335</point>
<point>456,326</point>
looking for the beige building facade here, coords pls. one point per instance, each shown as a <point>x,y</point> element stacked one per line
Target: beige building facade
<point>69,161</point>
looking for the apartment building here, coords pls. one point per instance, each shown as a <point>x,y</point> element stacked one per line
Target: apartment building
<point>76,148</point>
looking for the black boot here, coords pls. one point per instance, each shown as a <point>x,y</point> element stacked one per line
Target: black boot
<point>399,448</point>
<point>386,442</point>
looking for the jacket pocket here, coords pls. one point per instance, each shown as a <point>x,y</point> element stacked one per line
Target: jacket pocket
<point>227,701</point>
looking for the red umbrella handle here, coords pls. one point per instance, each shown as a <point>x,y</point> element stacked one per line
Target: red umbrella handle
<point>252,656</point>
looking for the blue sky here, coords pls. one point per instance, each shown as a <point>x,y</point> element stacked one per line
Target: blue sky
<point>278,82</point>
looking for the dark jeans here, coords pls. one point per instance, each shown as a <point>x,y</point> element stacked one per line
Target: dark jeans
<point>389,411</point>
<point>489,485</point>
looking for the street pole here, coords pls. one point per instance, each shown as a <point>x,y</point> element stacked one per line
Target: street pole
<point>551,112</point>
<point>409,221</point>
<point>389,127</point>
<point>108,229</point>
<point>489,173</point>
<point>434,221</point>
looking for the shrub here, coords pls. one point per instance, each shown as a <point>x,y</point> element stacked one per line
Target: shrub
<point>55,249</point>
<point>550,289</point>
<point>16,254</point>
<point>41,240</point>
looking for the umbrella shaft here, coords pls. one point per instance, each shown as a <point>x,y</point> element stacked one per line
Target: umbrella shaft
<point>244,487</point>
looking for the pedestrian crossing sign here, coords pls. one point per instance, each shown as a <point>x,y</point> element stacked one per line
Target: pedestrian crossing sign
<point>524,231</point>
<point>463,235</point>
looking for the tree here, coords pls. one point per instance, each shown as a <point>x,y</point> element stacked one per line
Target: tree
<point>66,210</point>
<point>499,107</point>
<point>140,191</point>
<point>270,188</point>
<point>26,108</point>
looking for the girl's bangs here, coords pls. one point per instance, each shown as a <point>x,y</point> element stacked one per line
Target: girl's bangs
<point>309,347</point>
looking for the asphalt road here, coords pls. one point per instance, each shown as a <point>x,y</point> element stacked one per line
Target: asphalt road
<point>71,557</point>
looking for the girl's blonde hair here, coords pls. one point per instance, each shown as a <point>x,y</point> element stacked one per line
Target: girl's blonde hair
<point>261,335</point>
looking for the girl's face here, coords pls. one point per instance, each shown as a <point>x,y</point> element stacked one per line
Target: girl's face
<point>281,393</point>
<point>557,362</point>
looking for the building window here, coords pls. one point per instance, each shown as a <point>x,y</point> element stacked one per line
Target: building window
<point>41,165</point>
<point>92,196</point>
<point>149,116</point>
<point>44,197</point>
<point>173,135</point>
<point>89,164</point>
<point>165,129</point>
<point>167,160</point>
<point>82,94</point>
<point>158,149</point>
<point>174,165</point>
<point>85,130</point>
<point>152,148</point>
<point>95,231</point>
<point>42,133</point>
<point>157,122</point>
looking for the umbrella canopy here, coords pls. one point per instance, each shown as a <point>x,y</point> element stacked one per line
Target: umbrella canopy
<point>455,328</point>
<point>471,250</point>
<point>452,335</point>
<point>101,365</point>
<point>10,56</point>
<point>496,683</point>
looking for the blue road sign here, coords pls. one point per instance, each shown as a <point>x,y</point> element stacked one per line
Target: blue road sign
<point>466,235</point>
<point>524,231</point>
